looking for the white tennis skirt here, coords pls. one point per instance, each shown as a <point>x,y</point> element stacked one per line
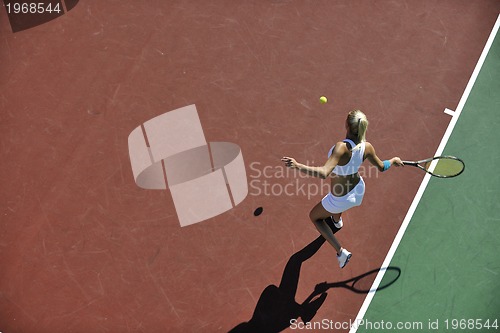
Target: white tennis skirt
<point>337,205</point>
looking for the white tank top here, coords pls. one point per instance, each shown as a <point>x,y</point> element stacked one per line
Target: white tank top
<point>354,163</point>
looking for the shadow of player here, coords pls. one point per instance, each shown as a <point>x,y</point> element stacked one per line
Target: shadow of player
<point>276,306</point>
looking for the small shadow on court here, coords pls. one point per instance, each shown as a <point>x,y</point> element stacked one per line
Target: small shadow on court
<point>277,306</point>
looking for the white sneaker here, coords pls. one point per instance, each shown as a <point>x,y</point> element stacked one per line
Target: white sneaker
<point>338,224</point>
<point>344,257</point>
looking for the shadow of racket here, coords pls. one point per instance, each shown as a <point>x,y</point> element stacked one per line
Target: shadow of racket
<point>364,283</point>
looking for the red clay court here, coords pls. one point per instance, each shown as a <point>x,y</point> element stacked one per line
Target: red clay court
<point>84,249</point>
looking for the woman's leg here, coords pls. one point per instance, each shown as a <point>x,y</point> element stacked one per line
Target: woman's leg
<point>336,217</point>
<point>318,215</point>
<point>335,222</point>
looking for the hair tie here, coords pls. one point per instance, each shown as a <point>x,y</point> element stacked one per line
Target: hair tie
<point>359,121</point>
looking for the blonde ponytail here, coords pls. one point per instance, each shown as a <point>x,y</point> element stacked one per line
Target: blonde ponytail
<point>358,124</point>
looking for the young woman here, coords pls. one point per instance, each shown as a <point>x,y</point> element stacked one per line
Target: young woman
<point>347,186</point>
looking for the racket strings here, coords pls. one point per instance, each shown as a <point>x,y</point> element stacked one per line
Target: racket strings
<point>445,167</point>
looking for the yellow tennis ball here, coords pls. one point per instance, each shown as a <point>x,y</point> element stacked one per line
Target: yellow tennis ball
<point>323,99</point>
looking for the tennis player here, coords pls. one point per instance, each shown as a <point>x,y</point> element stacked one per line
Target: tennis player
<point>347,186</point>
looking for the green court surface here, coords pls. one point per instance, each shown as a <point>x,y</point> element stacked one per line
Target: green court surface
<point>449,254</point>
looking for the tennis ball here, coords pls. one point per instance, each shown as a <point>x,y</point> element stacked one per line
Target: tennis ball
<point>323,99</point>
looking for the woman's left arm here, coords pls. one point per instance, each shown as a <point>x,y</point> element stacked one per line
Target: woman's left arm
<point>323,171</point>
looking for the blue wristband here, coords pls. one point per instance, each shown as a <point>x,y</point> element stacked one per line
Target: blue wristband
<point>387,165</point>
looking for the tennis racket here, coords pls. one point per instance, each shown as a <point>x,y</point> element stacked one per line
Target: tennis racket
<point>440,166</point>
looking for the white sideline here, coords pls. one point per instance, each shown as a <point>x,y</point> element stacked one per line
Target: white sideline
<point>423,185</point>
<point>450,112</point>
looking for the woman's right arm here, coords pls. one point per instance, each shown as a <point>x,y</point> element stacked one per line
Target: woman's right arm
<point>376,161</point>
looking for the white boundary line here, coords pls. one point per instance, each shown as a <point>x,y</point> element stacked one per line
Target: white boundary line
<point>450,112</point>
<point>424,183</point>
